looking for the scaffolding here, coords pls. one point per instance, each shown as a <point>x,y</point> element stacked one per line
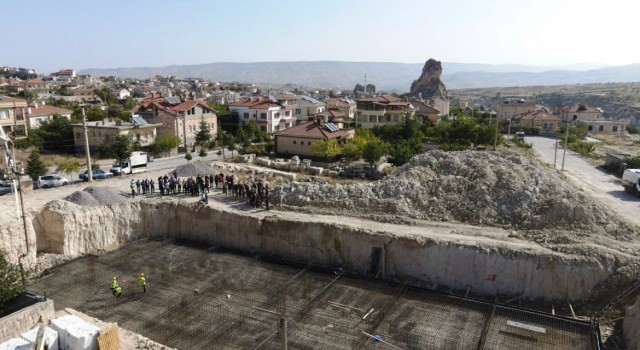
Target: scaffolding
<point>207,297</point>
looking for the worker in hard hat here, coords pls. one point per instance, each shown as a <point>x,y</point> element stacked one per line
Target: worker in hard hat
<point>142,282</point>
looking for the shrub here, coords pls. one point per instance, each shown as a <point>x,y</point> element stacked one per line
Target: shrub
<point>633,129</point>
<point>450,147</point>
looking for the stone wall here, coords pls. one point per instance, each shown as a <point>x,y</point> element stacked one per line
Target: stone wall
<point>21,321</point>
<point>427,255</point>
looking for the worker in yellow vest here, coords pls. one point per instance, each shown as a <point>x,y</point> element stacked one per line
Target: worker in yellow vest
<point>142,282</point>
<point>115,288</point>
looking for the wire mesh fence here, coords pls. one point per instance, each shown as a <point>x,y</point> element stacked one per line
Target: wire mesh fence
<point>208,298</point>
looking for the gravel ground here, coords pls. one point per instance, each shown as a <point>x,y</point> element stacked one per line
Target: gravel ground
<point>94,195</point>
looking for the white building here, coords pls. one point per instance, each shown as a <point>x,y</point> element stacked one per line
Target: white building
<point>270,114</point>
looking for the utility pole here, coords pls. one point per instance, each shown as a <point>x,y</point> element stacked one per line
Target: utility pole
<point>86,147</point>
<point>555,154</point>
<point>495,140</point>
<point>566,140</point>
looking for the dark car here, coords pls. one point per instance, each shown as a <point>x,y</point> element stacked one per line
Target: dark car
<point>97,175</point>
<point>6,187</point>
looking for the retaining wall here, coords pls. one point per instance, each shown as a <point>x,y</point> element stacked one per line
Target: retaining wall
<point>21,321</point>
<point>424,255</point>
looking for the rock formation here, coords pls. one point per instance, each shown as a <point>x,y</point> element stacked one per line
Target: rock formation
<point>429,85</point>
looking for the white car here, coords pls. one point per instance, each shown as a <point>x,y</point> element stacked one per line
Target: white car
<point>52,181</point>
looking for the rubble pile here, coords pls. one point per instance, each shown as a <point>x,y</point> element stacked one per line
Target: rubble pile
<point>478,188</point>
<point>94,195</point>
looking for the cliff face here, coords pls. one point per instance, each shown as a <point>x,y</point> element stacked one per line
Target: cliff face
<point>429,84</point>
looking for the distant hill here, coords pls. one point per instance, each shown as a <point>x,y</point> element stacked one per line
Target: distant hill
<point>385,75</point>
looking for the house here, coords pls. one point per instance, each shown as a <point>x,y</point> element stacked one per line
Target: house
<point>346,106</point>
<point>537,119</point>
<point>83,93</point>
<point>39,112</point>
<point>121,94</point>
<point>336,117</point>
<point>425,112</point>
<point>382,110</point>
<point>299,140</point>
<point>269,113</point>
<point>178,118</point>
<point>510,108</point>
<point>580,112</point>
<point>13,124</point>
<point>306,107</point>
<point>36,86</point>
<point>104,132</point>
<point>596,123</point>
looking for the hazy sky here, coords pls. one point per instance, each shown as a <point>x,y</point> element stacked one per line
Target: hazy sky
<point>48,35</point>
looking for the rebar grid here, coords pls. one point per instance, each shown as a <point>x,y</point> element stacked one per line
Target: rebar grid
<point>530,330</point>
<point>210,299</point>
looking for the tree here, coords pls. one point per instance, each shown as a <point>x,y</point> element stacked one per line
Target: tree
<point>202,153</point>
<point>164,143</point>
<point>203,136</point>
<point>69,165</point>
<point>231,144</point>
<point>122,147</point>
<point>54,135</point>
<point>35,166</point>
<point>402,152</point>
<point>633,129</point>
<point>326,148</point>
<point>373,150</point>
<point>188,157</point>
<point>10,280</point>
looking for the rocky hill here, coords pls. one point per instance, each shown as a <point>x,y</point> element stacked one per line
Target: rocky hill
<point>387,76</point>
<point>429,85</point>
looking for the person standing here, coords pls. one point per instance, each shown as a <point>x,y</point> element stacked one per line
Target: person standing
<point>133,188</point>
<point>142,282</point>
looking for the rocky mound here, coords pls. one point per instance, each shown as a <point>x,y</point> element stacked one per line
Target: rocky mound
<point>429,85</point>
<point>94,195</point>
<point>479,188</point>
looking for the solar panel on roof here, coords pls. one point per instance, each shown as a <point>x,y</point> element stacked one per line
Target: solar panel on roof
<point>331,127</point>
<point>172,100</point>
<point>138,120</point>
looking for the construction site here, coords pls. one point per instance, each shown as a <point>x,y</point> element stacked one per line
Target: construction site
<point>208,298</point>
<point>430,257</point>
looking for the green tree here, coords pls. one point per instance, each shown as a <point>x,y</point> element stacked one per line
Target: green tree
<point>188,157</point>
<point>203,136</point>
<point>403,151</point>
<point>373,150</point>
<point>164,143</point>
<point>69,165</point>
<point>231,144</point>
<point>54,135</point>
<point>633,129</point>
<point>35,166</point>
<point>122,147</point>
<point>325,148</point>
<point>10,280</point>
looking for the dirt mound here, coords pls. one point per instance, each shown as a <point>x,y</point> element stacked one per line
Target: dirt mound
<point>94,195</point>
<point>485,188</point>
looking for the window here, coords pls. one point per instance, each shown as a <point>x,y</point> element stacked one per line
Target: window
<point>590,128</point>
<point>287,113</point>
<point>263,128</point>
<point>276,115</point>
<point>388,118</point>
<point>4,114</point>
<point>309,143</point>
<point>263,115</point>
<point>298,111</point>
<point>615,128</point>
<point>601,128</point>
<point>294,142</point>
<point>246,115</point>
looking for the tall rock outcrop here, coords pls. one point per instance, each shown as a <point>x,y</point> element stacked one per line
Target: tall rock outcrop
<point>429,84</point>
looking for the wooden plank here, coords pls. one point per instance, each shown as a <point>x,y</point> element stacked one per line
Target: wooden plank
<point>108,338</point>
<point>526,326</point>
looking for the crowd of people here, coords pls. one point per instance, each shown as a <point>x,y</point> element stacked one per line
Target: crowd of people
<point>255,191</point>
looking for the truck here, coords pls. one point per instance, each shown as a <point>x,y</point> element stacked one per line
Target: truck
<point>630,179</point>
<point>136,163</point>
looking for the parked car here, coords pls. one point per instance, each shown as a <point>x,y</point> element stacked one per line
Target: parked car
<point>97,175</point>
<point>52,181</point>
<point>520,134</point>
<point>6,187</point>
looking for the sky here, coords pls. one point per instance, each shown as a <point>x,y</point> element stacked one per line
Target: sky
<point>50,35</point>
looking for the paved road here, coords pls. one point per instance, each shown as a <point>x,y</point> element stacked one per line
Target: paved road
<point>596,182</point>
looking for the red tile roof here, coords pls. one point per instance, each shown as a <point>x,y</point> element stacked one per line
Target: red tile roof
<point>44,110</point>
<point>313,130</point>
<point>256,102</point>
<point>537,115</point>
<point>12,99</point>
<point>161,104</point>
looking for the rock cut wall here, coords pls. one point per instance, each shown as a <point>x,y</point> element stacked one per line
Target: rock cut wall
<point>433,257</point>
